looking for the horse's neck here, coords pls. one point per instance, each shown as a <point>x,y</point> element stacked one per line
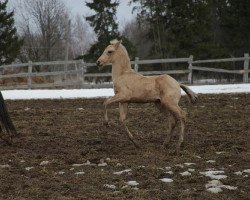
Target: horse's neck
<point>119,68</point>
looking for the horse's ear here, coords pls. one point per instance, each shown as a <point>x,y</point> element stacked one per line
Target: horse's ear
<point>117,44</point>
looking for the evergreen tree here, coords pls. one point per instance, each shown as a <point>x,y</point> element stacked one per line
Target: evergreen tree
<point>105,27</point>
<point>179,28</point>
<point>10,44</point>
<point>235,25</point>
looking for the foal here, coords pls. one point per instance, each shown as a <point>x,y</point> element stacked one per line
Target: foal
<point>132,87</point>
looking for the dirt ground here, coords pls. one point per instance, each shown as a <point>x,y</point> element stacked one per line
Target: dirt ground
<point>65,151</point>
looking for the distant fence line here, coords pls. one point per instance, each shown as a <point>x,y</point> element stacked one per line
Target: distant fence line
<point>80,74</point>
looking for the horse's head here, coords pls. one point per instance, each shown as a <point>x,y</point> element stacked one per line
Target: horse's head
<point>109,54</point>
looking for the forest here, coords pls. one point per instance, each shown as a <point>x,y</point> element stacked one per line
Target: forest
<point>160,29</point>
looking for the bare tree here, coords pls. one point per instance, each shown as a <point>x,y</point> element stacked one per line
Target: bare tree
<point>82,36</point>
<point>137,33</point>
<point>44,24</point>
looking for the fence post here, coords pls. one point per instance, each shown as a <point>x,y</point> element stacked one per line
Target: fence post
<point>190,67</point>
<point>82,71</point>
<point>136,67</point>
<point>29,74</point>
<point>246,67</point>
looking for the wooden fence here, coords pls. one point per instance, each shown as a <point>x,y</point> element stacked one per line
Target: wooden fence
<point>79,72</point>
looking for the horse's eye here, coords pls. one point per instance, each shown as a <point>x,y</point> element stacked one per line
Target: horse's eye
<point>109,52</point>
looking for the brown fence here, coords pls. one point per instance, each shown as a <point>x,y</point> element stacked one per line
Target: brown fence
<point>74,73</point>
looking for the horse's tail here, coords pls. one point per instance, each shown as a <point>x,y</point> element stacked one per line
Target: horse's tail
<point>5,118</point>
<point>191,95</point>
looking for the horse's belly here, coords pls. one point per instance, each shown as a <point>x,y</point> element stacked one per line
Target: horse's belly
<point>145,96</point>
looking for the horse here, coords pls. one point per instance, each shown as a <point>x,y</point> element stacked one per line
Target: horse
<point>132,87</point>
<point>6,122</point>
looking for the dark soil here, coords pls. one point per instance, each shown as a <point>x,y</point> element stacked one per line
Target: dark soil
<point>68,132</point>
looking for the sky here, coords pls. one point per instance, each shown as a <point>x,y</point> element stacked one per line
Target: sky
<point>124,12</point>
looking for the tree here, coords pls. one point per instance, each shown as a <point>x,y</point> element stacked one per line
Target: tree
<point>235,26</point>
<point>180,27</point>
<point>44,26</point>
<point>106,28</point>
<point>81,37</point>
<point>10,43</point>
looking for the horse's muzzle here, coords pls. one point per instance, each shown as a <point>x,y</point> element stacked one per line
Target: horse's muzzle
<point>99,64</point>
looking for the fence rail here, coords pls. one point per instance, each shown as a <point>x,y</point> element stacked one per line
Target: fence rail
<point>81,75</point>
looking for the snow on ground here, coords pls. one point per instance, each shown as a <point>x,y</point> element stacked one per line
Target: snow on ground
<point>93,93</point>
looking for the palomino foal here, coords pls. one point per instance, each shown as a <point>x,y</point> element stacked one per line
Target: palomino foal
<point>132,87</point>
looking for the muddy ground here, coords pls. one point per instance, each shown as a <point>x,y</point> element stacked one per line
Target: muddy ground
<point>58,134</point>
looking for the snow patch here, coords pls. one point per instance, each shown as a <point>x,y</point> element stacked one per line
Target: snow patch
<point>180,165</point>
<point>210,161</point>
<point>80,173</point>
<point>214,190</point>
<point>4,166</point>
<point>43,163</point>
<point>132,183</point>
<point>186,173</point>
<point>238,173</point>
<point>28,168</point>
<point>83,164</point>
<point>123,171</point>
<point>189,164</point>
<point>166,180</point>
<point>247,171</point>
<point>214,174</point>
<point>215,186</point>
<point>113,187</point>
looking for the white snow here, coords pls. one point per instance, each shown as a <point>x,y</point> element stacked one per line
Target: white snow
<point>211,161</point>
<point>214,189</point>
<point>238,173</point>
<point>215,186</point>
<point>189,164</point>
<point>123,171</point>
<point>247,171</point>
<point>80,173</point>
<point>83,164</point>
<point>43,163</point>
<point>4,166</point>
<point>214,174</point>
<point>113,187</point>
<point>28,168</point>
<point>132,183</point>
<point>166,180</point>
<point>186,173</point>
<point>102,164</point>
<point>93,93</point>
<point>180,165</point>
<point>220,152</point>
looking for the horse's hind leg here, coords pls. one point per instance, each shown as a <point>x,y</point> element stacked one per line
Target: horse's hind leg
<point>123,115</point>
<point>172,125</point>
<point>179,115</point>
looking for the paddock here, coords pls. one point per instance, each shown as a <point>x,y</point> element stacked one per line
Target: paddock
<point>65,151</point>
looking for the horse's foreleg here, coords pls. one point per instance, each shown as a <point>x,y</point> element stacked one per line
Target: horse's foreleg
<point>123,115</point>
<point>108,101</point>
